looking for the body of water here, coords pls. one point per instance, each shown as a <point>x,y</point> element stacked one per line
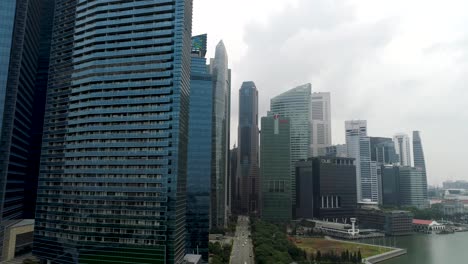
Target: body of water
<point>430,249</point>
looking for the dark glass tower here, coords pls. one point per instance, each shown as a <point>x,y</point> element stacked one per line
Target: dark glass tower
<point>24,50</point>
<point>25,28</point>
<point>199,175</point>
<point>221,126</point>
<point>383,151</point>
<point>247,169</point>
<point>275,147</point>
<point>112,186</point>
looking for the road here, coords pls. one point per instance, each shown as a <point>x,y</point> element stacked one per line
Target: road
<point>242,250</point>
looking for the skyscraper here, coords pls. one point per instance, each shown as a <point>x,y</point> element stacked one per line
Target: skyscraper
<point>321,123</point>
<point>199,176</point>
<point>295,104</point>
<point>383,151</point>
<point>112,187</point>
<point>403,149</point>
<point>418,152</point>
<point>275,177</point>
<point>247,168</point>
<point>24,64</point>
<point>390,185</point>
<point>221,132</point>
<point>24,52</point>
<point>413,187</point>
<point>367,172</point>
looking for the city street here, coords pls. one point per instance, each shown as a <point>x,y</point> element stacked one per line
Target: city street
<point>242,250</point>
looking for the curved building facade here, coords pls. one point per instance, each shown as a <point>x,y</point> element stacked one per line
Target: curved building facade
<point>296,104</point>
<point>113,166</point>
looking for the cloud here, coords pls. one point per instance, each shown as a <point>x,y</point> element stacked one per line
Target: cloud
<point>377,69</point>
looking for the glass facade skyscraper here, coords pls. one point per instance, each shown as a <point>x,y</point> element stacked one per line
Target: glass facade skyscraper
<point>418,152</point>
<point>383,151</point>
<point>24,45</point>
<point>221,132</point>
<point>199,176</point>
<point>413,187</point>
<point>112,186</point>
<point>248,133</point>
<point>24,51</point>
<point>296,105</point>
<point>275,169</point>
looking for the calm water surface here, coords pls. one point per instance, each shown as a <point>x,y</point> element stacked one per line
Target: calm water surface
<point>432,249</point>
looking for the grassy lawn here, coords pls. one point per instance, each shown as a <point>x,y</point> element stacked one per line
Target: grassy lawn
<point>312,245</point>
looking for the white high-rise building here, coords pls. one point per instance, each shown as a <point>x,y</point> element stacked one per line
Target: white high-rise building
<point>403,148</point>
<point>367,173</point>
<point>321,124</point>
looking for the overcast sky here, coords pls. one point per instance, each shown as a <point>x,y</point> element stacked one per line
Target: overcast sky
<point>400,64</point>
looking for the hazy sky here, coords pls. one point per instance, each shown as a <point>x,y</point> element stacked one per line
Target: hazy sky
<point>400,64</point>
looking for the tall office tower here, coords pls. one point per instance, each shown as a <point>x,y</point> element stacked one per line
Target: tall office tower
<point>403,149</point>
<point>24,63</point>
<point>275,172</point>
<point>390,185</point>
<point>295,104</point>
<point>247,168</point>
<point>321,124</point>
<point>25,44</point>
<point>413,187</point>
<point>418,152</point>
<point>383,151</point>
<point>112,186</point>
<point>367,172</point>
<point>235,185</point>
<point>199,159</point>
<point>221,125</point>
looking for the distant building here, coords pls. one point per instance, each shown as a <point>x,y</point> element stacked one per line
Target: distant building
<point>453,207</point>
<point>321,124</point>
<point>296,104</point>
<point>326,188</point>
<point>390,185</point>
<point>247,162</point>
<point>221,77</point>
<point>403,149</point>
<point>199,152</point>
<point>383,151</point>
<point>413,188</point>
<point>338,151</point>
<point>274,167</point>
<point>392,223</point>
<point>455,185</point>
<point>367,172</point>
<point>427,225</point>
<point>418,151</point>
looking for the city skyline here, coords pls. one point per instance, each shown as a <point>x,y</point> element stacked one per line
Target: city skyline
<point>384,33</point>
